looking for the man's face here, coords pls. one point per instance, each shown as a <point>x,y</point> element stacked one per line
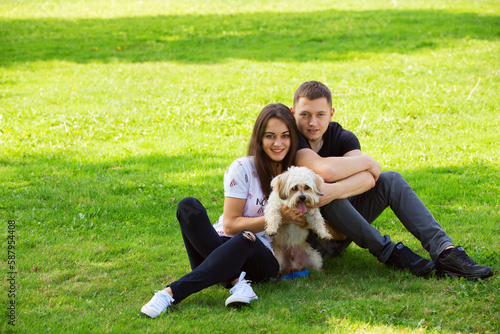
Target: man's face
<point>312,117</point>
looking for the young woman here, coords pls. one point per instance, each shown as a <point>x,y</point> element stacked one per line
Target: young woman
<point>236,245</point>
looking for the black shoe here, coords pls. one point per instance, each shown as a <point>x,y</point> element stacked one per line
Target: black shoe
<point>455,262</point>
<point>403,258</point>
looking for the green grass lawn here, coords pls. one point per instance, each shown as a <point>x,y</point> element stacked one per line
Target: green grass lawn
<point>113,111</point>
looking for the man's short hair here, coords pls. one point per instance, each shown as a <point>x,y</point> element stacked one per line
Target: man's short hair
<point>312,90</point>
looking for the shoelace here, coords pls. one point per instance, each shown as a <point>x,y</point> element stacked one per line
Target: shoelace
<point>160,303</point>
<point>242,285</point>
<point>466,259</point>
<point>241,288</point>
<point>409,256</point>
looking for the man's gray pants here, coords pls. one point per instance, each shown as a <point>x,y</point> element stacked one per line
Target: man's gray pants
<point>354,215</point>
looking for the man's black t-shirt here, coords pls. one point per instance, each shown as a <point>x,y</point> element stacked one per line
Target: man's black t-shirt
<point>336,141</point>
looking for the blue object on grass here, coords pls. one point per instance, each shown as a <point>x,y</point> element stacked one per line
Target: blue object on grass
<point>294,275</point>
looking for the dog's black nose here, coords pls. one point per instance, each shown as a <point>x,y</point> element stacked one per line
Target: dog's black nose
<point>302,198</point>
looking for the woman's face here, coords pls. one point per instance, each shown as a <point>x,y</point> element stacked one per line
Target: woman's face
<point>276,141</point>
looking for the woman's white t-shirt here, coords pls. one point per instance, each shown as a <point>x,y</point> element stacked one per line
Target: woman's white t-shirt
<point>241,181</point>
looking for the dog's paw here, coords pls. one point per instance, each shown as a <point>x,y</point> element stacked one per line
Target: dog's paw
<point>326,236</point>
<point>318,226</point>
<point>271,234</point>
<point>323,233</point>
<point>271,229</point>
<point>272,224</point>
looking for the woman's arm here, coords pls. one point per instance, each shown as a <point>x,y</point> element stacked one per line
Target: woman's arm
<point>234,222</point>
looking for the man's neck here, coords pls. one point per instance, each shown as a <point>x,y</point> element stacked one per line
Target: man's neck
<point>316,145</point>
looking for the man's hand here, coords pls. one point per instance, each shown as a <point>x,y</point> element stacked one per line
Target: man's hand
<point>374,168</point>
<point>330,193</point>
<point>351,186</point>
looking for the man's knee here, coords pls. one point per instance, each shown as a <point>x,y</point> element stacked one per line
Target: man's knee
<point>391,180</point>
<point>335,204</point>
<point>389,177</point>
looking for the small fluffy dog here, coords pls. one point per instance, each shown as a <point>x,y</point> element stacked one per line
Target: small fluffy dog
<point>298,188</point>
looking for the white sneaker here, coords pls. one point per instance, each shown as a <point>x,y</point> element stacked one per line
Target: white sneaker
<point>242,292</point>
<point>158,304</point>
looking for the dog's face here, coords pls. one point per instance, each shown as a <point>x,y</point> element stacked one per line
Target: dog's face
<point>298,187</point>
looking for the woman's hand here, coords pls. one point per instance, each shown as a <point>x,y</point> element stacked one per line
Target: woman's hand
<point>293,216</point>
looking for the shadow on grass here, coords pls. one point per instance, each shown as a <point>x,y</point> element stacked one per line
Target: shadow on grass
<point>317,35</point>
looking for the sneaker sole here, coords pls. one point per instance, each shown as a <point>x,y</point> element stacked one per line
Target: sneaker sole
<point>149,312</point>
<point>239,301</point>
<point>445,273</point>
<point>426,271</point>
<point>237,304</point>
<point>422,273</point>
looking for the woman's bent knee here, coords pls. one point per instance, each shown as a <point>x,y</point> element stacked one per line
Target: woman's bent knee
<point>187,208</point>
<point>187,203</point>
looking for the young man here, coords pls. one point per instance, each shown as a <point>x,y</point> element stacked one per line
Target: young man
<point>363,193</point>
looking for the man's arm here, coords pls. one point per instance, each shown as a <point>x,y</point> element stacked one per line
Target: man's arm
<point>356,173</point>
<point>353,185</point>
<point>333,169</point>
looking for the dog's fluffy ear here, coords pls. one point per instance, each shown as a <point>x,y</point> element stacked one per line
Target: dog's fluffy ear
<point>278,185</point>
<point>318,182</point>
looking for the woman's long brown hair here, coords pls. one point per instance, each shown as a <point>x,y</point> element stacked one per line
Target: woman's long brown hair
<point>263,162</point>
